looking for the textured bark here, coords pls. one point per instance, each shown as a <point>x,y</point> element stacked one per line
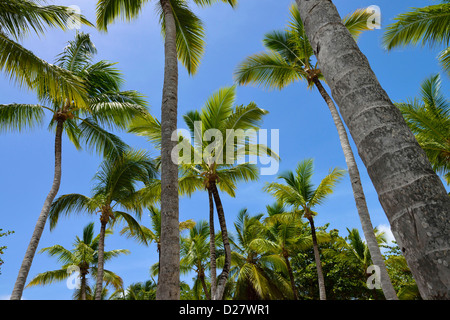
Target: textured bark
<point>201,276</point>
<point>212,245</point>
<point>83,286</point>
<point>40,224</point>
<point>101,259</point>
<point>360,199</point>
<point>169,268</point>
<point>321,279</point>
<point>223,277</point>
<point>412,195</point>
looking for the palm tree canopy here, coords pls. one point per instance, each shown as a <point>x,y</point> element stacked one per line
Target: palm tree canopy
<point>190,33</point>
<point>425,26</point>
<point>429,119</point>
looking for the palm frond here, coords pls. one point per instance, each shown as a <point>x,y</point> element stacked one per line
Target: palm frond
<point>18,117</point>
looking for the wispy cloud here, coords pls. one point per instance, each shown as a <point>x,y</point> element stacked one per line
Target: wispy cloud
<point>387,232</point>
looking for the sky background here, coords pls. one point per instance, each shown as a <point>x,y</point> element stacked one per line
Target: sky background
<point>306,128</point>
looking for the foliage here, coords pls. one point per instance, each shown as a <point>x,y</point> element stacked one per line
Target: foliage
<point>2,248</point>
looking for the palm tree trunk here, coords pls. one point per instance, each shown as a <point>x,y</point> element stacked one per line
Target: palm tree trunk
<point>291,277</point>
<point>212,245</point>
<point>101,259</point>
<point>412,195</point>
<point>223,277</point>
<point>360,199</point>
<point>322,292</point>
<point>83,286</point>
<point>40,224</point>
<point>205,288</point>
<point>169,268</point>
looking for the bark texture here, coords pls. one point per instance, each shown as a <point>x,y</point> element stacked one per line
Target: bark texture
<point>101,259</point>
<point>212,245</point>
<point>360,199</point>
<point>40,224</point>
<point>411,194</point>
<point>169,268</point>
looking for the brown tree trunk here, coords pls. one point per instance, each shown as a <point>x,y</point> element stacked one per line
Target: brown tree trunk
<point>358,194</point>
<point>291,277</point>
<point>83,286</point>
<point>412,195</point>
<point>212,245</point>
<point>201,277</point>
<point>223,277</point>
<point>40,224</point>
<point>321,279</point>
<point>169,268</point>
<point>101,258</point>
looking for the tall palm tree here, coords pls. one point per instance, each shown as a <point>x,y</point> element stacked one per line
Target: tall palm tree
<point>289,59</point>
<point>258,274</point>
<point>195,253</point>
<point>19,18</point>
<point>429,25</point>
<point>299,192</point>
<point>107,106</point>
<point>414,203</point>
<point>183,32</point>
<point>209,166</point>
<point>429,120</point>
<point>115,190</point>
<point>84,256</point>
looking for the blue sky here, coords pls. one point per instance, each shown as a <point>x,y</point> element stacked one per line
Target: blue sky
<point>306,127</point>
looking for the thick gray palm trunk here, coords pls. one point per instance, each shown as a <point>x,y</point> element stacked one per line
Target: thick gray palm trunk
<point>360,199</point>
<point>412,195</point>
<point>40,224</point>
<point>169,268</point>
<point>212,245</point>
<point>101,259</point>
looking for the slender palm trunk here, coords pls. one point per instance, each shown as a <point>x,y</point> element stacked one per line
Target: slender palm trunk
<point>201,277</point>
<point>360,199</point>
<point>40,224</point>
<point>83,286</point>
<point>101,259</point>
<point>291,277</point>
<point>169,268</point>
<point>412,195</point>
<point>223,277</point>
<point>212,245</point>
<point>322,292</point>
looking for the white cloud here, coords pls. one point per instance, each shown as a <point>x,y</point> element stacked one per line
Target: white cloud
<point>387,232</point>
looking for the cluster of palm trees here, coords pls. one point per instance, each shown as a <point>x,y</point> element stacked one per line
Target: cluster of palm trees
<point>85,101</point>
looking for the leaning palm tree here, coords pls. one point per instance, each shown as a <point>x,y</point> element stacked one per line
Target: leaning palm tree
<point>429,25</point>
<point>288,60</point>
<point>215,165</point>
<point>84,257</point>
<point>184,40</point>
<point>387,148</point>
<point>429,120</point>
<point>107,106</point>
<point>19,18</point>
<point>116,189</point>
<point>299,192</point>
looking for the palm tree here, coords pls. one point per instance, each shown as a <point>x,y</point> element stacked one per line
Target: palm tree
<point>289,59</point>
<point>298,191</point>
<point>386,145</point>
<point>115,189</point>
<point>84,256</point>
<point>107,106</point>
<point>195,253</point>
<point>429,25</point>
<point>137,291</point>
<point>209,166</point>
<point>429,119</point>
<point>258,274</point>
<point>19,18</point>
<point>184,34</point>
